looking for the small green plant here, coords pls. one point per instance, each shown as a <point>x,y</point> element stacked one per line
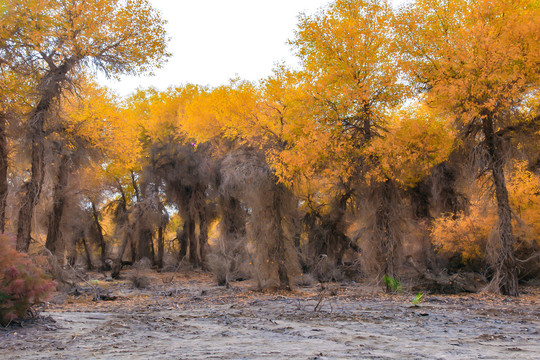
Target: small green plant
<point>392,284</point>
<point>418,298</point>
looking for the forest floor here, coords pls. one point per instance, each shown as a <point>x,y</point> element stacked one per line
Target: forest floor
<point>187,316</point>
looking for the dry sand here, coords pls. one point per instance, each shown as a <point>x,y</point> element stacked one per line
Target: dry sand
<point>186,316</point>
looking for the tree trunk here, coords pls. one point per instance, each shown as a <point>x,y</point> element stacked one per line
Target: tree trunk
<point>203,236</point>
<point>88,253</point>
<point>162,223</point>
<point>32,188</point>
<point>135,187</point>
<point>52,88</point>
<point>3,171</point>
<point>182,242</point>
<point>144,244</point>
<point>386,233</point>
<point>160,247</point>
<point>59,199</point>
<point>505,278</point>
<point>117,264</point>
<point>189,229</point>
<point>280,252</point>
<point>72,254</point>
<point>101,240</point>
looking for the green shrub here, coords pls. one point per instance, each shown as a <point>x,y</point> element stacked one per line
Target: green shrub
<point>392,284</point>
<point>22,283</point>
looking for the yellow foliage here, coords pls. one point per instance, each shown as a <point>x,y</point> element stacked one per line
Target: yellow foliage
<point>348,59</point>
<point>88,118</point>
<point>415,141</point>
<point>476,57</point>
<point>464,234</point>
<point>117,36</point>
<point>524,193</point>
<point>467,233</point>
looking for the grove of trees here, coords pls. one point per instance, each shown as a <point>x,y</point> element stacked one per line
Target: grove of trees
<point>404,146</point>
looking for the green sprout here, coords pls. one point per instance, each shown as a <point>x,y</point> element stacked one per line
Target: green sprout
<point>418,298</point>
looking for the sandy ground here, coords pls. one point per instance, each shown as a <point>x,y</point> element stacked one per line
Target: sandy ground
<point>186,316</point>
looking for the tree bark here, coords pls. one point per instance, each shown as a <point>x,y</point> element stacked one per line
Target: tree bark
<point>189,229</point>
<point>160,247</point>
<point>279,252</point>
<point>144,244</point>
<point>182,242</point>
<point>88,252</point>
<point>203,236</point>
<point>117,264</point>
<point>505,264</point>
<point>3,171</point>
<point>387,234</point>
<point>162,222</point>
<point>101,240</point>
<point>59,199</point>
<point>52,87</point>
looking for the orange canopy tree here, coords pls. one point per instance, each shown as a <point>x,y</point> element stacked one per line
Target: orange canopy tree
<point>55,39</point>
<point>477,60</point>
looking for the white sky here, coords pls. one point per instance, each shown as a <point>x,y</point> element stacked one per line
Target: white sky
<point>213,41</point>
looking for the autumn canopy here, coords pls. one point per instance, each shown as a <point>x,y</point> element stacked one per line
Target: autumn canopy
<point>405,143</point>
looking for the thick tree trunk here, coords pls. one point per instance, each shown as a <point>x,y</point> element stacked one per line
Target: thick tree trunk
<point>385,229</point>
<point>59,199</point>
<point>182,242</point>
<point>233,218</point>
<point>505,265</point>
<point>505,278</point>
<point>279,252</point>
<point>52,87</point>
<point>144,244</point>
<point>33,187</point>
<point>3,171</point>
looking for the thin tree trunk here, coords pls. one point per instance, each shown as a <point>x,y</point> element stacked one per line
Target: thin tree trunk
<point>505,265</point>
<point>203,236</point>
<point>101,239</point>
<point>189,228</point>
<point>52,85</point>
<point>160,247</point>
<point>3,171</point>
<point>88,253</point>
<point>162,222</point>
<point>135,187</point>
<point>59,199</point>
